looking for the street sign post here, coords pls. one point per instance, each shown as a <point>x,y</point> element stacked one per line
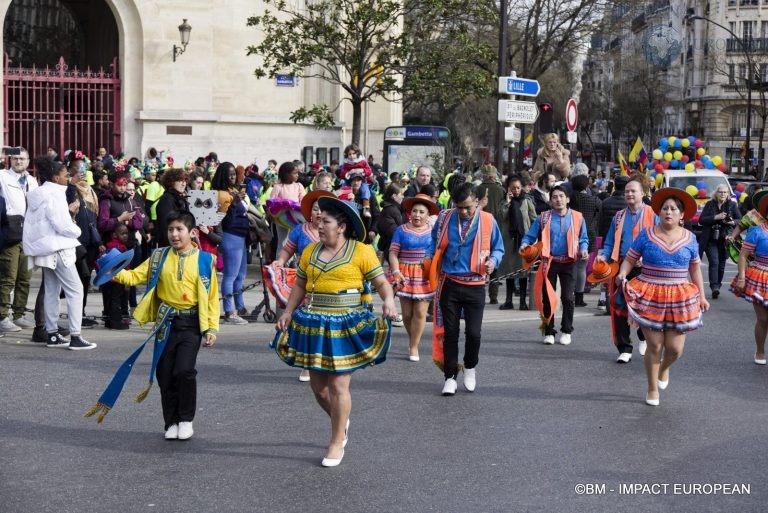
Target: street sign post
<point>512,134</point>
<point>571,115</point>
<point>514,111</point>
<point>519,86</point>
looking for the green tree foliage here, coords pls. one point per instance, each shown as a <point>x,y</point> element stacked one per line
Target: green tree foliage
<point>362,46</point>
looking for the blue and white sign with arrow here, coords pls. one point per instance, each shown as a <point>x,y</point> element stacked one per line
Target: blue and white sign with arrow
<point>520,86</point>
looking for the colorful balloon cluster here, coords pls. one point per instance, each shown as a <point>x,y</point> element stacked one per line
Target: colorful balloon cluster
<point>740,191</point>
<point>686,153</point>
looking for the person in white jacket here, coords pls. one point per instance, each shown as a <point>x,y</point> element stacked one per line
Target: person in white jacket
<point>49,240</point>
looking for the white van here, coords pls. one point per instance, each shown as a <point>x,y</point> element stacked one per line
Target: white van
<point>682,179</point>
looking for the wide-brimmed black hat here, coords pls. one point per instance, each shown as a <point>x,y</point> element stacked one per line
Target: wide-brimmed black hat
<point>349,210</point>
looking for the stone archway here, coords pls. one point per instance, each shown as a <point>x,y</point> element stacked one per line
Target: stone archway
<point>128,47</point>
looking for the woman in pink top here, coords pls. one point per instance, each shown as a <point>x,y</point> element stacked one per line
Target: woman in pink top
<point>287,187</point>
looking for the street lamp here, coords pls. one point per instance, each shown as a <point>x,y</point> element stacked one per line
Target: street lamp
<point>692,17</point>
<point>184,30</point>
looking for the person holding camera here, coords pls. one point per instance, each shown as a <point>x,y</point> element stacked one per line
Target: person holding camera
<point>718,218</point>
<point>15,184</point>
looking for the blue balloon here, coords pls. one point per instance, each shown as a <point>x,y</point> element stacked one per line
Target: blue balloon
<point>709,164</point>
<point>674,163</point>
<point>701,184</point>
<point>692,140</point>
<point>664,143</point>
<point>678,143</point>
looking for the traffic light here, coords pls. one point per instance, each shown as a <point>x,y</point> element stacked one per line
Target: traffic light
<point>546,113</point>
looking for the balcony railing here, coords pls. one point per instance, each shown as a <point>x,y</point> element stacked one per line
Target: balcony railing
<point>760,44</point>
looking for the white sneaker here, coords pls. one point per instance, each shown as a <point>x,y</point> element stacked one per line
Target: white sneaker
<point>398,321</point>
<point>450,387</point>
<point>185,430</point>
<point>549,340</point>
<point>624,358</point>
<point>8,326</point>
<point>470,380</point>
<point>642,346</point>
<point>23,322</point>
<point>565,339</point>
<point>172,433</point>
<point>304,376</point>
<point>235,319</point>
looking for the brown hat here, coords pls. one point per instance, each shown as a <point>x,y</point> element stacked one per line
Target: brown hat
<point>531,254</point>
<point>689,204</point>
<point>421,199</point>
<point>309,199</point>
<point>603,271</point>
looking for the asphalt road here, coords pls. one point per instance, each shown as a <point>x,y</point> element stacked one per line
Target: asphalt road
<point>549,428</point>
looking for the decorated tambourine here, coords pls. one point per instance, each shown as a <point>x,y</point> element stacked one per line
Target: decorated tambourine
<point>204,205</point>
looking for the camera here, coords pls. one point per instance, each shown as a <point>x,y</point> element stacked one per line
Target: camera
<point>11,151</point>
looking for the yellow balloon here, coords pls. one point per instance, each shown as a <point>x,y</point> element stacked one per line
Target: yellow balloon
<point>672,140</point>
<point>678,155</point>
<point>700,152</point>
<point>686,143</point>
<point>690,167</point>
<point>657,154</point>
<point>668,156</point>
<point>743,197</point>
<point>659,180</point>
<point>692,190</point>
<point>717,160</point>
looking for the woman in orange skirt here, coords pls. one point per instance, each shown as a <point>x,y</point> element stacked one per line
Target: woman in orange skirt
<point>407,252</point>
<point>662,300</point>
<point>751,282</point>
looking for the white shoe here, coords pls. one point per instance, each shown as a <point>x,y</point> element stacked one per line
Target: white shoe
<point>565,339</point>
<point>235,319</point>
<point>185,430</point>
<point>470,380</point>
<point>172,433</point>
<point>450,387</point>
<point>641,347</point>
<point>663,384</point>
<point>760,361</point>
<point>624,358</point>
<point>651,402</point>
<point>8,326</point>
<point>24,323</point>
<point>304,376</point>
<point>413,357</point>
<point>398,321</point>
<point>332,462</point>
<point>549,340</point>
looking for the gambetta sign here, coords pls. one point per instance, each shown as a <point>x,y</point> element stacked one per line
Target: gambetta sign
<point>416,132</point>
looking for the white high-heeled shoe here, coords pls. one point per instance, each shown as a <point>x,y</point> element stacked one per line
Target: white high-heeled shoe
<point>651,402</point>
<point>332,462</point>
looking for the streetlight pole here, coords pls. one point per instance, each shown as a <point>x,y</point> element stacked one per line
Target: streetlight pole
<point>502,69</point>
<point>692,17</point>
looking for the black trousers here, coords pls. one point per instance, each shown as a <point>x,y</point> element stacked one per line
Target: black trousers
<point>566,273</point>
<point>621,322</point>
<point>115,300</point>
<point>454,298</point>
<point>716,256</point>
<point>176,373</point>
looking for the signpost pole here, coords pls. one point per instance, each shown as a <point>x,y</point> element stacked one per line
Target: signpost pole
<point>502,71</point>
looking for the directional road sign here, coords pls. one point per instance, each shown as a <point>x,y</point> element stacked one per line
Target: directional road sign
<point>512,134</point>
<point>513,111</point>
<point>521,86</point>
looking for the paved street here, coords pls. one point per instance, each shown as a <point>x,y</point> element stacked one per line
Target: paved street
<point>543,421</point>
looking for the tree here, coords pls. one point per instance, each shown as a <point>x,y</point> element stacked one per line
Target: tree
<point>361,47</point>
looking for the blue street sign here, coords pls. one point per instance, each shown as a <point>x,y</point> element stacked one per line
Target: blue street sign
<point>284,80</point>
<point>521,86</point>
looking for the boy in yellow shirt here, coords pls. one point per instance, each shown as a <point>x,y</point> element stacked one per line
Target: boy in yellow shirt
<point>182,298</point>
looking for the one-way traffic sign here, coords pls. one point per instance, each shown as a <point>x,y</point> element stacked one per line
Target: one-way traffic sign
<point>513,111</point>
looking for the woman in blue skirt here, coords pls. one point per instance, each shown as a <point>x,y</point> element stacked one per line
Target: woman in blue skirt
<point>332,333</point>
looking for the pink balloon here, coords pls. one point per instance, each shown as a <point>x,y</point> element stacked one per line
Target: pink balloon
<point>741,187</point>
<point>665,165</point>
<point>702,193</point>
<point>685,158</point>
<point>698,143</point>
<point>722,167</point>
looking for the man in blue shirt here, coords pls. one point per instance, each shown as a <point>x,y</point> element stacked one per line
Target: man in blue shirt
<point>468,247</point>
<point>563,234</point>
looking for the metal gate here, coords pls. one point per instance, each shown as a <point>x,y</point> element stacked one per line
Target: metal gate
<point>57,107</point>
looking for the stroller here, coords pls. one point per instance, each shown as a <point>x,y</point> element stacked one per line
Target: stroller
<point>270,316</point>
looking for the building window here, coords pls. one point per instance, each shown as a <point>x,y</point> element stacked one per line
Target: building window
<point>763,72</point>
<point>747,28</point>
<point>742,71</point>
<point>764,29</point>
<point>731,74</point>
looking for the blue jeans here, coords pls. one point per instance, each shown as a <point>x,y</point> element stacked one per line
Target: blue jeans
<point>232,249</point>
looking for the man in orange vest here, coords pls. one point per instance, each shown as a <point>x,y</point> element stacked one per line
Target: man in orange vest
<point>564,240</point>
<point>467,247</point>
<point>625,227</point>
